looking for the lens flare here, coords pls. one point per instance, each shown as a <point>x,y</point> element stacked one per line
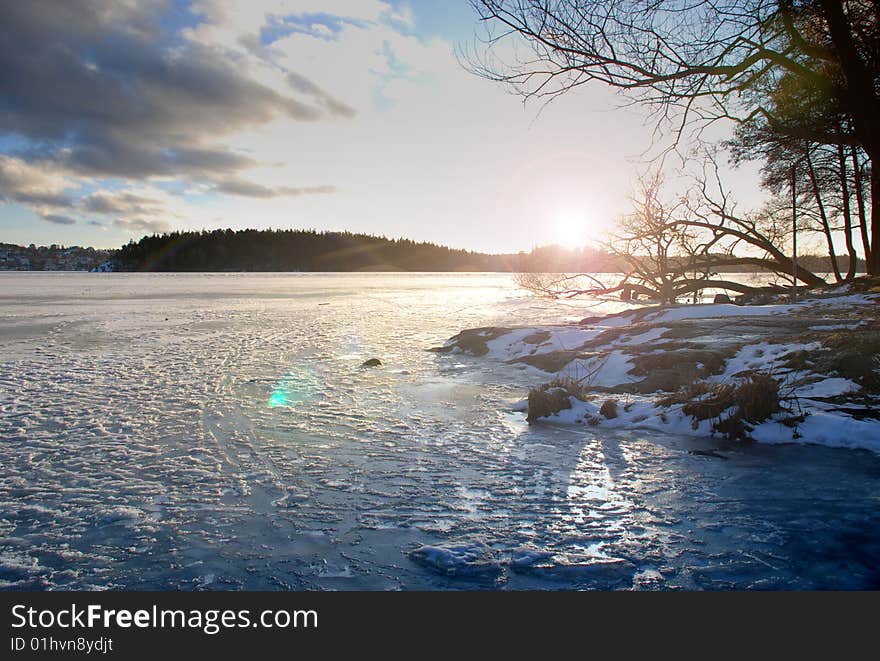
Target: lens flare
<point>298,385</point>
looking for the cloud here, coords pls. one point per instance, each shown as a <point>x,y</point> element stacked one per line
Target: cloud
<point>307,190</point>
<point>302,84</point>
<point>98,90</point>
<point>120,203</point>
<point>57,219</point>
<point>36,186</point>
<point>250,189</point>
<point>142,225</point>
<point>102,88</point>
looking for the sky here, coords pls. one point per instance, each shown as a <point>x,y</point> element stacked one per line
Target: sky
<point>124,118</point>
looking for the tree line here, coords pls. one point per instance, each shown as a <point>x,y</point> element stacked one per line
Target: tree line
<point>296,250</point>
<point>310,250</point>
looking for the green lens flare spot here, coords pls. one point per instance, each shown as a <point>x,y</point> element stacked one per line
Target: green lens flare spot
<point>297,386</point>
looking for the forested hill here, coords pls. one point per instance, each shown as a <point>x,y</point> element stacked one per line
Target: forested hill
<point>297,250</point>
<point>309,250</point>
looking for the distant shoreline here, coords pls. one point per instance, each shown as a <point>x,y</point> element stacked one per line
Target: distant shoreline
<point>301,251</point>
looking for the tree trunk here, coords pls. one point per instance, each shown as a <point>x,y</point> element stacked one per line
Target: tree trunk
<point>688,286</point>
<point>772,265</point>
<point>860,201</point>
<point>862,103</point>
<point>826,226</point>
<point>874,259</point>
<point>847,214</point>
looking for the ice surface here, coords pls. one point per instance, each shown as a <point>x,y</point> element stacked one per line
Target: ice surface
<point>141,448</point>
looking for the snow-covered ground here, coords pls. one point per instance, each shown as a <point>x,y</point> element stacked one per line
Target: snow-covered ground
<point>218,432</point>
<point>611,358</point>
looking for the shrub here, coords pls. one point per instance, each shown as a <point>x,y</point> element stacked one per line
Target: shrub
<point>757,398</point>
<point>553,397</point>
<point>544,402</point>
<point>750,401</point>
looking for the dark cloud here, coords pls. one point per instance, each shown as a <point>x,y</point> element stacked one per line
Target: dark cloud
<point>235,186</point>
<point>96,223</point>
<point>57,219</point>
<point>38,198</point>
<point>142,224</point>
<point>99,88</point>
<point>119,203</point>
<point>244,188</point>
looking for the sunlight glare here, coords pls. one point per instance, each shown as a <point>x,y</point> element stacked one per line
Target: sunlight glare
<point>570,229</point>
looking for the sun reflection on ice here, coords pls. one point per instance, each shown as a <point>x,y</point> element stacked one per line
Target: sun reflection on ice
<point>592,496</point>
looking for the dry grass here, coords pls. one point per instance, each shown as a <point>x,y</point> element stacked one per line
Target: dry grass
<point>551,361</point>
<point>757,397</point>
<point>719,398</point>
<point>748,402</point>
<point>853,355</point>
<point>538,337</point>
<point>687,393</point>
<point>553,397</point>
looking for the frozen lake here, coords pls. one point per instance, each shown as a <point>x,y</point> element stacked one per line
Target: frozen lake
<point>165,431</point>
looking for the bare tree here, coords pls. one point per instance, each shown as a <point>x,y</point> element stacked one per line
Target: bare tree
<point>673,248</point>
<point>659,251</point>
<point>698,61</point>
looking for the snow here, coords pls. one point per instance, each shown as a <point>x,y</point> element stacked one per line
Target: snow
<point>834,327</point>
<point>650,336</point>
<point>636,414</point>
<point>761,356</point>
<point>819,427</point>
<point>560,338</point>
<point>828,387</point>
<point>824,428</point>
<point>608,370</point>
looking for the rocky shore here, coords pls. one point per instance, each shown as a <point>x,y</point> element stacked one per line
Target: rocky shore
<point>805,371</point>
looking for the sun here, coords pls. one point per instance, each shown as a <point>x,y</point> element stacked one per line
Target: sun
<point>570,229</point>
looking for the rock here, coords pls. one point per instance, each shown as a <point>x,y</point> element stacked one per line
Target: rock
<point>722,298</point>
<point>707,453</point>
<point>472,341</point>
<point>609,409</point>
<point>551,361</point>
<point>372,362</point>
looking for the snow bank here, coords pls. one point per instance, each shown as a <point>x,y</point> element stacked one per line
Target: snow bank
<point>602,354</point>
